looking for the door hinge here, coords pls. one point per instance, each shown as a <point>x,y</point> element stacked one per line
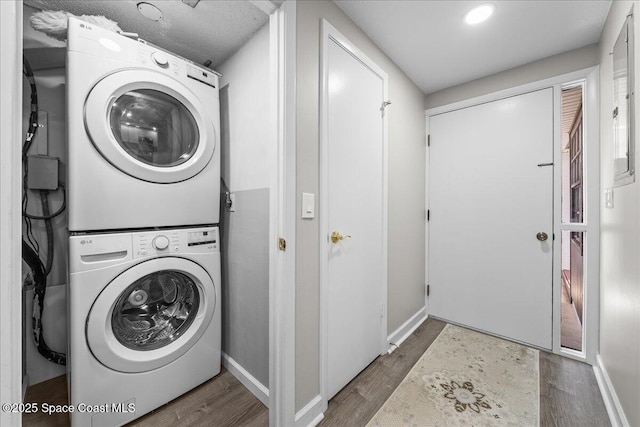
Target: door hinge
<point>282,244</point>
<point>428,290</point>
<point>428,214</point>
<point>429,140</point>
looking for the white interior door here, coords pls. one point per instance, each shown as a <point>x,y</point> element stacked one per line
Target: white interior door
<point>489,198</point>
<point>355,205</point>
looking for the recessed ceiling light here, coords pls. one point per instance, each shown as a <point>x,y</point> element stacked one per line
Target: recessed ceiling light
<point>150,11</point>
<point>479,14</point>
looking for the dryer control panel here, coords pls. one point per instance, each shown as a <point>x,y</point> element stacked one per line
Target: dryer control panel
<point>193,240</point>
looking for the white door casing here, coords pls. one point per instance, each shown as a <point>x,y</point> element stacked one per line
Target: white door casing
<point>488,200</point>
<point>353,200</point>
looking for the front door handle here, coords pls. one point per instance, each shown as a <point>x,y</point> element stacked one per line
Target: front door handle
<point>542,236</point>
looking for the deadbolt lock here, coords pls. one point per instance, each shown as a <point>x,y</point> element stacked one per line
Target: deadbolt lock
<point>542,236</point>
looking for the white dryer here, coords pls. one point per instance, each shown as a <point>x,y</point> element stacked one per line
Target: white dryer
<point>144,320</point>
<point>142,134</point>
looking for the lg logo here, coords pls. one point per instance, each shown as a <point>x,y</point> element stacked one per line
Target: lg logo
<point>86,242</point>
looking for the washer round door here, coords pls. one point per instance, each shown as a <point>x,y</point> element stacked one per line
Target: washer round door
<point>151,314</point>
<point>149,126</point>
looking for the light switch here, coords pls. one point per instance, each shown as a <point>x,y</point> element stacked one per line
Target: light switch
<point>232,199</point>
<point>308,205</point>
<point>608,198</point>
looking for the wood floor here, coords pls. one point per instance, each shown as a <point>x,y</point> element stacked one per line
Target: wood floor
<point>358,402</point>
<point>569,394</point>
<point>222,401</point>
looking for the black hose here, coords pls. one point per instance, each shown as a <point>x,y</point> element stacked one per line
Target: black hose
<point>33,117</point>
<point>44,198</point>
<point>40,279</point>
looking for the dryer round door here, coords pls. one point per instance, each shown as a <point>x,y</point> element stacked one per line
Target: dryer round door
<point>151,314</point>
<point>149,126</point>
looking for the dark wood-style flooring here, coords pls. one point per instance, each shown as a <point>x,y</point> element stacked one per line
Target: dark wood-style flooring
<point>569,394</point>
<point>221,401</point>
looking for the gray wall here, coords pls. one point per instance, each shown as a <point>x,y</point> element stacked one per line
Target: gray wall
<point>245,282</point>
<point>245,168</point>
<point>619,238</point>
<point>406,275</point>
<point>552,66</point>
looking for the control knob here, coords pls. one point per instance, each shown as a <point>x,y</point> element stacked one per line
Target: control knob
<point>160,59</point>
<point>160,242</point>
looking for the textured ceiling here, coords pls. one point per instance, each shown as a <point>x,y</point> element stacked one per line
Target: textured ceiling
<point>430,42</point>
<point>213,30</point>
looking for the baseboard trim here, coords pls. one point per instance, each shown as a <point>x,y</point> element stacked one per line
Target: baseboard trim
<point>247,380</point>
<point>611,401</point>
<point>311,414</point>
<point>398,336</point>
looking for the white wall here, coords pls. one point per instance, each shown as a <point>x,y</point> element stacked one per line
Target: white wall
<point>406,159</point>
<point>552,66</point>
<point>246,161</point>
<point>620,237</point>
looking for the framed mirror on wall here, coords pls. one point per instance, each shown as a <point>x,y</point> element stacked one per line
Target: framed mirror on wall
<point>624,109</point>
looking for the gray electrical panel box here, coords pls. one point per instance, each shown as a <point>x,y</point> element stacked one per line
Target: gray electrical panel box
<point>42,173</point>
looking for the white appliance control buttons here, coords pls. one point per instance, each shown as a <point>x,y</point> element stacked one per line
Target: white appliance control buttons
<point>160,59</point>
<point>161,242</point>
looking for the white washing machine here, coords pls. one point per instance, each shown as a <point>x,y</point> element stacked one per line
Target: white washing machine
<point>142,135</point>
<point>144,320</point>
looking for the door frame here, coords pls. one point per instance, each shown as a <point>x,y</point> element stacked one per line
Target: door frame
<point>331,35</point>
<point>10,209</point>
<point>590,76</point>
<point>282,212</point>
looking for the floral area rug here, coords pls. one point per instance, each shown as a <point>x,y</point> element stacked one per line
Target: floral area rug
<point>466,378</point>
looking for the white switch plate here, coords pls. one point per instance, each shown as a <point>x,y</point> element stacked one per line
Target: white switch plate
<point>608,198</point>
<point>233,207</point>
<point>308,205</point>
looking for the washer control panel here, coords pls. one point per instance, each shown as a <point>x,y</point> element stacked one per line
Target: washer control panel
<point>193,240</point>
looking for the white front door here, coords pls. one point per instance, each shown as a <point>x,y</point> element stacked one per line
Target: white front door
<point>354,193</point>
<point>490,195</point>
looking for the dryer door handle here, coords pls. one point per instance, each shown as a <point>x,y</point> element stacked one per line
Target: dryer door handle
<point>106,256</point>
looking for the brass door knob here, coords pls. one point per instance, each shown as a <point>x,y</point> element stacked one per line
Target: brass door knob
<point>336,237</point>
<point>542,236</point>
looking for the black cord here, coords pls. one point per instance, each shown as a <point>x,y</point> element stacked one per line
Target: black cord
<point>53,215</point>
<point>44,198</point>
<point>40,279</point>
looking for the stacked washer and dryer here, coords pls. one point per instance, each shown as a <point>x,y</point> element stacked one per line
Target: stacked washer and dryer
<point>144,258</point>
